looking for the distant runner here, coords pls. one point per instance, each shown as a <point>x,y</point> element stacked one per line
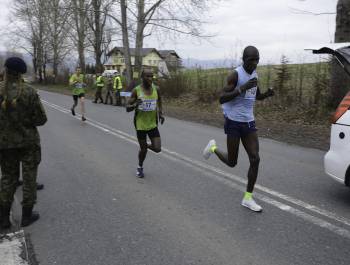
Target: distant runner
<point>238,99</point>
<point>146,101</point>
<point>78,84</point>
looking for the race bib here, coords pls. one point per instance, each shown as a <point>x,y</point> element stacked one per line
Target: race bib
<point>79,85</point>
<point>250,93</point>
<point>148,105</point>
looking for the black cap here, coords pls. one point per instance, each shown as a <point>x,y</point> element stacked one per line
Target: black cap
<point>16,64</point>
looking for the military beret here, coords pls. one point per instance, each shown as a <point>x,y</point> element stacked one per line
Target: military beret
<point>16,64</point>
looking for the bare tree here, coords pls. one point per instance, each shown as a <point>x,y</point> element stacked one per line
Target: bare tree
<point>124,25</point>
<point>31,29</point>
<point>179,17</point>
<point>79,10</point>
<point>97,18</point>
<point>57,17</point>
<point>119,16</point>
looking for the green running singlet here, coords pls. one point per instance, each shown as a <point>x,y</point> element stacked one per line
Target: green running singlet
<point>146,113</point>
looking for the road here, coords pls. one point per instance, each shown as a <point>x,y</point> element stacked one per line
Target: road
<point>187,210</point>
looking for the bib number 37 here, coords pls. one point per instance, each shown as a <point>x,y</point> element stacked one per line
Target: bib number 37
<point>148,105</point>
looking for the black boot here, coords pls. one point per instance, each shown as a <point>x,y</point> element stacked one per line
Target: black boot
<point>39,186</point>
<point>29,216</point>
<point>5,216</point>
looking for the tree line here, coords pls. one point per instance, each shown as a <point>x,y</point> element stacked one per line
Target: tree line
<point>52,31</point>
<point>56,30</point>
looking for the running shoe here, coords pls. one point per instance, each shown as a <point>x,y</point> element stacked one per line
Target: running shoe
<point>139,172</point>
<point>73,111</point>
<point>83,118</point>
<point>252,205</point>
<point>208,149</point>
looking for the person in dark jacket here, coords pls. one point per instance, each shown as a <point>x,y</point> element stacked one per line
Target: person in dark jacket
<point>21,111</point>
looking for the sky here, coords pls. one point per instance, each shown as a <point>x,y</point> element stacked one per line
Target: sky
<point>272,26</point>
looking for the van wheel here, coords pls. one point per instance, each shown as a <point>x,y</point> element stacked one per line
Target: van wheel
<point>347,177</point>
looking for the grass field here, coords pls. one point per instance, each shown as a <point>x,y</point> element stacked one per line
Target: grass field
<point>301,95</point>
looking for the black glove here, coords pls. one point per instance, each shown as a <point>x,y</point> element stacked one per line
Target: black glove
<point>138,102</point>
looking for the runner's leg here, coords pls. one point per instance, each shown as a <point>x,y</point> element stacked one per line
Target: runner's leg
<point>75,103</point>
<point>229,158</point>
<point>142,151</point>
<point>82,105</point>
<point>156,144</point>
<point>251,145</point>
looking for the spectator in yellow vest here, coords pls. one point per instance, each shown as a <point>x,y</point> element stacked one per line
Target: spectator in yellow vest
<point>99,86</point>
<point>117,88</point>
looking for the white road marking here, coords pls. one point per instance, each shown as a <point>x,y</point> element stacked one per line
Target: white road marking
<point>235,182</point>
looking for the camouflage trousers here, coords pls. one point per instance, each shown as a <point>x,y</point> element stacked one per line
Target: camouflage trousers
<point>10,162</point>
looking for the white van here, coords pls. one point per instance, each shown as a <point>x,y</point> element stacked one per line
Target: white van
<point>337,159</point>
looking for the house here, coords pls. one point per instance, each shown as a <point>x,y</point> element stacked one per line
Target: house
<point>116,61</point>
<point>151,57</point>
<point>172,59</point>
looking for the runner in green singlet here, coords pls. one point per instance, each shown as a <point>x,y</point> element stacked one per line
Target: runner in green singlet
<point>147,103</point>
<point>77,82</point>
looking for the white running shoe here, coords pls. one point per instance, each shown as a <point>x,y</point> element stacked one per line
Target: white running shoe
<point>207,150</point>
<point>252,205</point>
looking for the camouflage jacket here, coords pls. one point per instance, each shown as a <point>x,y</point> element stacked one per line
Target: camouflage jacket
<point>18,124</point>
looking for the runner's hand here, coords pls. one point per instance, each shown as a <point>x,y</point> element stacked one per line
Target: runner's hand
<point>138,102</point>
<point>161,119</point>
<point>250,84</point>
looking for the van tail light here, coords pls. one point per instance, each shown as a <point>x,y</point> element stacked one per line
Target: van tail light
<point>342,108</point>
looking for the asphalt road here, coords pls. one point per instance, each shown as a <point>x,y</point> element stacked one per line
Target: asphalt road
<point>94,211</point>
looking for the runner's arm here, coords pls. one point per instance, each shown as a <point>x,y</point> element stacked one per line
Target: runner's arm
<point>262,96</point>
<point>132,102</point>
<point>72,80</point>
<point>160,107</point>
<point>228,92</point>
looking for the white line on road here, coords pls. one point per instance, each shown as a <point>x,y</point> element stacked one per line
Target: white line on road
<point>229,179</point>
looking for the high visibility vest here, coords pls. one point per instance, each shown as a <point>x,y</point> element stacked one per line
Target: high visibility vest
<point>117,83</point>
<point>100,81</point>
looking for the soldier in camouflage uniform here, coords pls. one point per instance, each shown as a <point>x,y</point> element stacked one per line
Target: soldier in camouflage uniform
<point>21,112</point>
<point>109,91</point>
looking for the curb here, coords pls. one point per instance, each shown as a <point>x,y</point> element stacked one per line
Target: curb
<point>13,249</point>
<point>13,246</point>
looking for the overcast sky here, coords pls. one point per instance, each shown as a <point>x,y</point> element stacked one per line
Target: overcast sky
<point>271,25</point>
